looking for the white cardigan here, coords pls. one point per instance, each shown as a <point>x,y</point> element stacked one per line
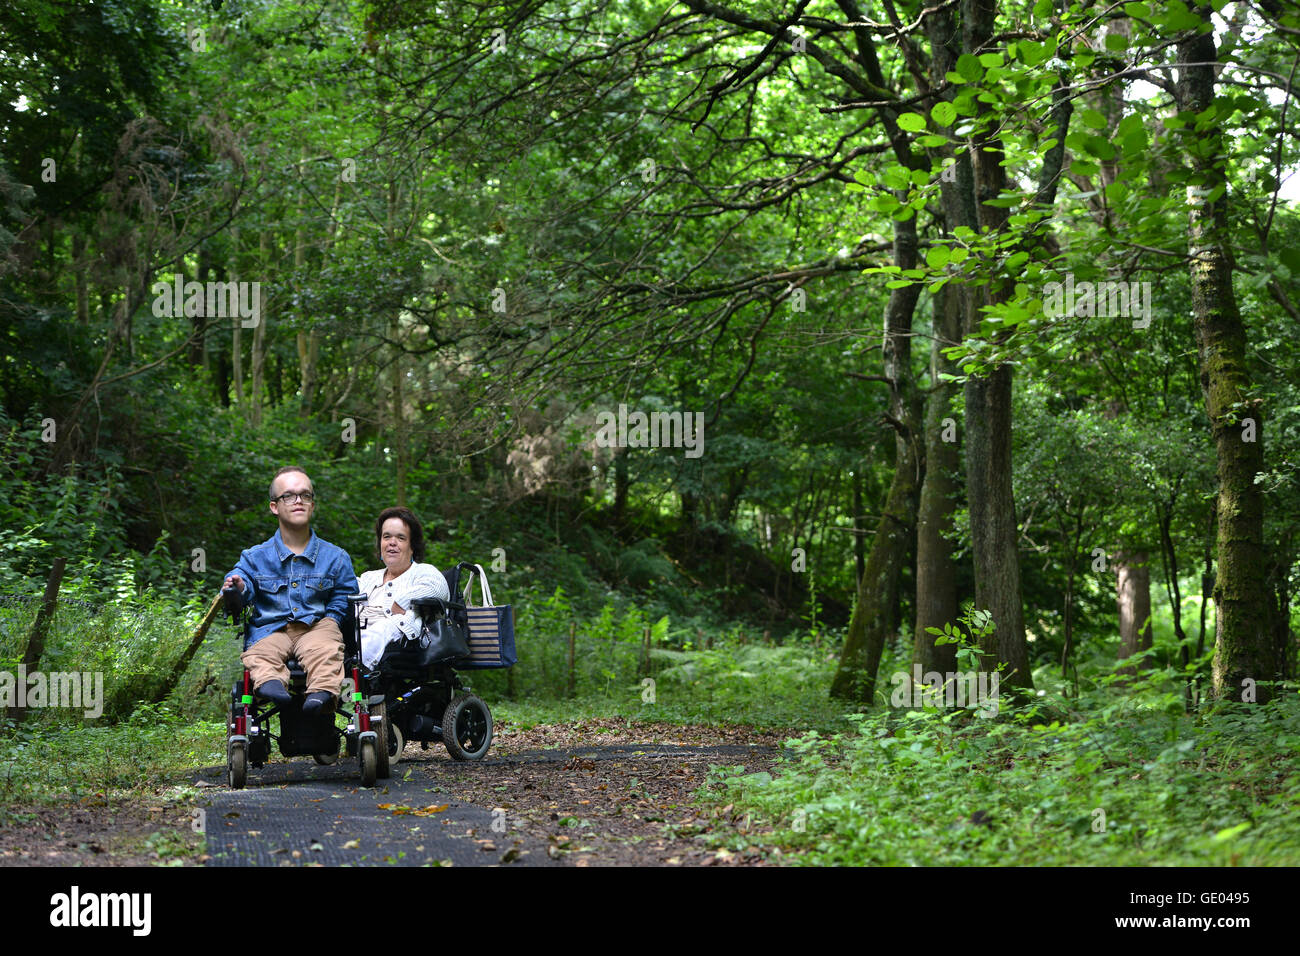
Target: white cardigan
<point>417,581</point>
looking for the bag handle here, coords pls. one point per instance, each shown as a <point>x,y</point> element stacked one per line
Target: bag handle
<point>483,585</point>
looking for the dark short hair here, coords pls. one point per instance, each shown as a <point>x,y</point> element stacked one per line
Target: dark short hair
<point>412,525</point>
<point>270,492</point>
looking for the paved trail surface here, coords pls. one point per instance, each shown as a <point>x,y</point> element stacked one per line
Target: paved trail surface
<point>542,797</point>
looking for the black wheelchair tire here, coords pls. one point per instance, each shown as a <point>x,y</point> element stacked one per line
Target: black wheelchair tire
<point>382,751</point>
<point>369,763</point>
<point>236,767</point>
<point>467,728</point>
<point>396,744</point>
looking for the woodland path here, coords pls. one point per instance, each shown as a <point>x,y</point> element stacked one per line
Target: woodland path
<point>585,794</point>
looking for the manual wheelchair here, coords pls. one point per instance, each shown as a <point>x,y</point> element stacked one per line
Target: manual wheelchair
<point>409,695</point>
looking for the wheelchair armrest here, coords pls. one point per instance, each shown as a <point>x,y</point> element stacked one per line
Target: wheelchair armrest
<point>351,642</point>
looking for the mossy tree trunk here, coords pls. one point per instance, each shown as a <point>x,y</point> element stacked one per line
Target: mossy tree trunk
<point>1243,651</point>
<point>855,679</point>
<point>936,569</point>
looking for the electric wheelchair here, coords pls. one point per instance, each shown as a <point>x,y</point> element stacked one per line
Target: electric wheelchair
<point>413,693</point>
<point>424,699</point>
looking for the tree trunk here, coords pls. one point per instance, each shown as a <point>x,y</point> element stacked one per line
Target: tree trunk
<point>620,486</point>
<point>79,269</point>
<point>237,326</point>
<point>401,453</point>
<point>859,536</point>
<point>1207,577</point>
<point>41,627</point>
<point>994,530</point>
<point>855,678</point>
<point>1280,596</point>
<point>1133,599</point>
<point>259,343</point>
<point>196,639</point>
<point>1243,649</point>
<point>308,356</point>
<point>1068,615</point>
<point>936,570</point>
<point>198,350</point>
<point>1169,558</point>
<point>308,341</point>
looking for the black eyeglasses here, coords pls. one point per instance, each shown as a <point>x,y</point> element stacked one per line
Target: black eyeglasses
<point>289,497</point>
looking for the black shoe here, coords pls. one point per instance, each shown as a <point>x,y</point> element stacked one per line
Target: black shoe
<point>273,690</point>
<point>316,701</point>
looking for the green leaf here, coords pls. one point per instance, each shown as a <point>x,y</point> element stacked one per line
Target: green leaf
<point>936,257</point>
<point>944,113</point>
<point>1230,832</point>
<point>1030,53</point>
<point>1100,147</point>
<point>1116,42</point>
<point>1093,118</point>
<point>896,177</point>
<point>912,122</point>
<point>969,67</point>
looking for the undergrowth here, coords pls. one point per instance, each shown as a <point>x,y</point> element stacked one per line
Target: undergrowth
<point>1127,778</point>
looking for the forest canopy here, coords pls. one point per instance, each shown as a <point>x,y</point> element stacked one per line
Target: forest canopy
<point>868,316</point>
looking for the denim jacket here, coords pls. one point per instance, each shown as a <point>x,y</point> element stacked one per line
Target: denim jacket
<point>283,586</point>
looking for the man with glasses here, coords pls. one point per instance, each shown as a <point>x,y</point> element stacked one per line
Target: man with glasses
<point>298,586</point>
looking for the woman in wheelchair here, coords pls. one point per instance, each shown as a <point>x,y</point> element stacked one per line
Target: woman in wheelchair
<point>390,590</point>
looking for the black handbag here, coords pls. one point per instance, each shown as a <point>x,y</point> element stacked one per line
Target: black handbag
<point>444,634</point>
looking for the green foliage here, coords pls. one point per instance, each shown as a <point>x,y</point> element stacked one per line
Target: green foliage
<point>1126,779</point>
<point>106,761</point>
<point>977,625</point>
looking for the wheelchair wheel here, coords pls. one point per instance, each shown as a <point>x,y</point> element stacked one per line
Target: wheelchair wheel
<point>385,746</point>
<point>326,760</point>
<point>236,767</point>
<point>396,744</point>
<point>467,728</point>
<point>369,763</point>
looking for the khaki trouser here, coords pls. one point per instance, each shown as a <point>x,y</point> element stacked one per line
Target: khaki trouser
<point>319,648</point>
